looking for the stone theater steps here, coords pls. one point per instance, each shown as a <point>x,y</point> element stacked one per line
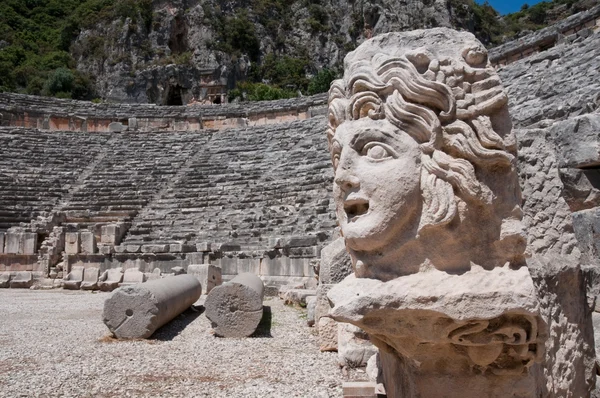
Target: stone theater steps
<point>38,169</point>
<point>246,185</point>
<point>132,171</point>
<point>239,185</point>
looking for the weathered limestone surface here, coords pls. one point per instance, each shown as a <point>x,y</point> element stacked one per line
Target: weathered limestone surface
<point>545,211</point>
<point>138,311</point>
<point>328,334</point>
<point>235,308</point>
<point>335,262</point>
<point>556,84</point>
<point>561,291</point>
<point>354,347</point>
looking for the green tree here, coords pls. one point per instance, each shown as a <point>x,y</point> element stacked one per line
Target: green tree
<point>321,81</point>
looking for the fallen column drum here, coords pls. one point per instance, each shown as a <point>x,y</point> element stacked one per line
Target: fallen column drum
<point>136,311</point>
<point>235,308</point>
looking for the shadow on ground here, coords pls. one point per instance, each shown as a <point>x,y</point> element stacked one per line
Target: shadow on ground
<point>172,329</point>
<point>264,327</point>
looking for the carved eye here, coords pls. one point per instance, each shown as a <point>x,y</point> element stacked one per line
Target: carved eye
<point>376,151</point>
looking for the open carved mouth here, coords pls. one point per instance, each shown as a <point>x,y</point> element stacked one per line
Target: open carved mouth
<point>356,207</point>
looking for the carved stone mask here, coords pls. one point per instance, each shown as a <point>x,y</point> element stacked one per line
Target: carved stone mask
<point>421,140</point>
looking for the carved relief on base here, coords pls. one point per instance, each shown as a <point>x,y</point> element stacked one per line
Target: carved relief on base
<point>481,329</point>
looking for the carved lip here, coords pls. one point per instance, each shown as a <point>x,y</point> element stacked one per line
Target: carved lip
<point>356,207</point>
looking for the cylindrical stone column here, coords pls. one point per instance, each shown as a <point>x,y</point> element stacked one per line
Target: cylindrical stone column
<point>136,311</point>
<point>236,307</point>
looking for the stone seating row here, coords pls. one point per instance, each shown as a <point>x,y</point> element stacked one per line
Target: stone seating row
<point>246,185</point>
<point>91,279</point>
<point>37,170</point>
<point>21,280</point>
<point>136,168</point>
<point>10,102</point>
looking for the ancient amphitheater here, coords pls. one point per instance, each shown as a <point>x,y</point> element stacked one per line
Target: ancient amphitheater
<point>247,186</point>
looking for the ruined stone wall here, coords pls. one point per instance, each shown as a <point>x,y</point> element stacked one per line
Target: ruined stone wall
<point>571,29</point>
<point>53,114</point>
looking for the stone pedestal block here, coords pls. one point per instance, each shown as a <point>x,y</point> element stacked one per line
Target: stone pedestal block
<point>209,275</point>
<point>14,243</point>
<point>29,243</point>
<point>110,234</point>
<point>138,311</point>
<point>87,242</point>
<point>2,234</point>
<point>236,307</point>
<point>488,341</point>
<point>72,243</point>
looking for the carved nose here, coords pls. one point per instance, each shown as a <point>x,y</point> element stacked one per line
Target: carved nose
<point>345,179</point>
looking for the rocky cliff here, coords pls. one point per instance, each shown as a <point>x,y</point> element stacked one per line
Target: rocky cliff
<point>182,50</point>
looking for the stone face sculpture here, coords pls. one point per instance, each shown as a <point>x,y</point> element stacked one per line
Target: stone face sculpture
<point>428,202</point>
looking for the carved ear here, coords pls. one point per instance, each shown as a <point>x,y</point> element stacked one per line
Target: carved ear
<point>439,203</point>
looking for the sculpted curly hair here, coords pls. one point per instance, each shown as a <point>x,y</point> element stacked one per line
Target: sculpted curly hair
<point>444,105</point>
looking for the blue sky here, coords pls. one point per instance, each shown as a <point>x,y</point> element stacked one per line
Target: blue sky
<point>508,6</point>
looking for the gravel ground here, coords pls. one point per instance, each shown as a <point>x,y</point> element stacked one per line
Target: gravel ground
<point>53,343</point>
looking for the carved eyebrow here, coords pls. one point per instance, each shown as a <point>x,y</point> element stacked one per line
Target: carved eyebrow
<point>364,136</point>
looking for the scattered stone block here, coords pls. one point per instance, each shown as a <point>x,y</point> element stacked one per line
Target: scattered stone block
<point>110,279</point>
<point>132,276</point>
<point>311,302</point>
<point>90,279</point>
<point>336,263</point>
<point>22,280</point>
<point>359,389</point>
<point>298,296</point>
<point>328,332</point>
<point>209,275</point>
<point>155,274</point>
<point>5,280</point>
<point>322,305</point>
<point>235,308</point>
<point>87,242</point>
<point>354,346</point>
<point>138,311</point>
<point>74,279</point>
<point>72,243</point>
